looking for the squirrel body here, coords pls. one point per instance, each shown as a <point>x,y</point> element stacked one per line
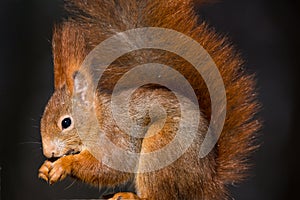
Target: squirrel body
<point>189,177</point>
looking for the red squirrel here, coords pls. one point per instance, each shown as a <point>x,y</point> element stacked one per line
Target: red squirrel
<point>90,22</point>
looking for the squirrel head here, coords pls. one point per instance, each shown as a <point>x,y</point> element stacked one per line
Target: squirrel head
<point>58,129</point>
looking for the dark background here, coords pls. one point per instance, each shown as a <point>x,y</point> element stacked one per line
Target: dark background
<point>267,34</point>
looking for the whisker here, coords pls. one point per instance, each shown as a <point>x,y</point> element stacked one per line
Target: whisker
<point>36,138</point>
<point>31,143</point>
<point>68,187</point>
<point>22,143</point>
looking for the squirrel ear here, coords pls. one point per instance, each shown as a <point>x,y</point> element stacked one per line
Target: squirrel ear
<point>81,91</point>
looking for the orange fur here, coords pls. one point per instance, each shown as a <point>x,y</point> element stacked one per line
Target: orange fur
<point>93,21</point>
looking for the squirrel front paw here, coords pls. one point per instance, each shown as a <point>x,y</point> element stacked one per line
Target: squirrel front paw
<point>44,170</point>
<point>55,171</point>
<point>124,196</point>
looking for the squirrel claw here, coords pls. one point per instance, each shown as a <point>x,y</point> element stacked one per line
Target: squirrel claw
<point>43,176</point>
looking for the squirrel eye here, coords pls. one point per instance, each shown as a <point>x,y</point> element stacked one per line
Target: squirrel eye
<point>66,123</point>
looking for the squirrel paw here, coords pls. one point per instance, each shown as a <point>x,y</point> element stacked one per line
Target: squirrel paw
<point>44,170</point>
<point>124,196</point>
<point>56,171</point>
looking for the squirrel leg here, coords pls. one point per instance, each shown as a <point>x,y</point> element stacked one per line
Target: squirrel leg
<point>83,166</point>
<point>181,179</point>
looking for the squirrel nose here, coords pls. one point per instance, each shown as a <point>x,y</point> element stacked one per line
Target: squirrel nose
<point>49,154</point>
<point>53,148</point>
<point>50,151</point>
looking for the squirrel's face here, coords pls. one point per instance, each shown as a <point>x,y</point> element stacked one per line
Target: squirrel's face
<point>59,135</point>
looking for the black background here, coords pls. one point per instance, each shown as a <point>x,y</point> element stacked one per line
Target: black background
<point>267,34</point>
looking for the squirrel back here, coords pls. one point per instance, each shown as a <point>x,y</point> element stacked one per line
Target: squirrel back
<point>91,22</point>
